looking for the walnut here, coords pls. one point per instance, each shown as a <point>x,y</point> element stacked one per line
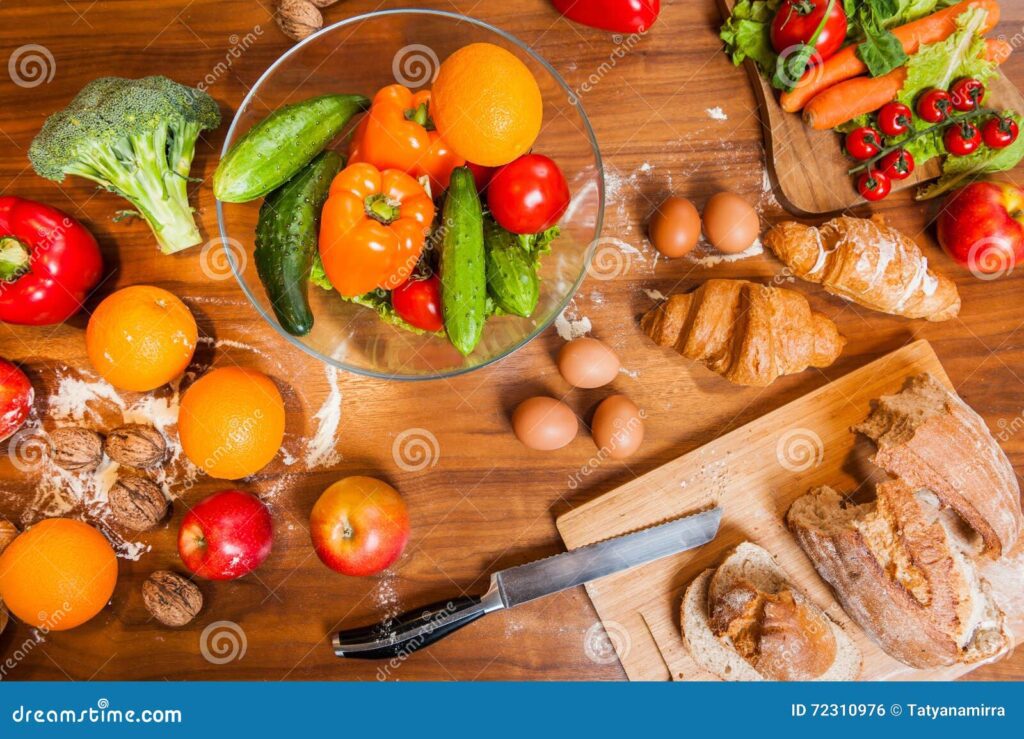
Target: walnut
<point>324,3</point>
<point>76,449</point>
<point>136,446</point>
<point>8,533</point>
<point>298,18</point>
<point>173,600</point>
<point>137,503</point>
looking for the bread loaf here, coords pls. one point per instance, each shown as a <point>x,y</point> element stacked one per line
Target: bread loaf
<point>744,621</point>
<point>898,573</point>
<point>929,438</point>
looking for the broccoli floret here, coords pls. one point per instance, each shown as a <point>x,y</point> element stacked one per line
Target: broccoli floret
<point>136,138</point>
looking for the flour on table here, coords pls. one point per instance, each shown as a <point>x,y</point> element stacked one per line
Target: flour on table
<point>655,294</point>
<point>321,450</point>
<point>76,399</point>
<point>572,328</point>
<point>706,255</point>
<point>716,113</point>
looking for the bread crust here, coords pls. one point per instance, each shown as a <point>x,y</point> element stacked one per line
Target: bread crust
<point>928,437</point>
<point>897,574</point>
<point>867,262</point>
<point>746,332</point>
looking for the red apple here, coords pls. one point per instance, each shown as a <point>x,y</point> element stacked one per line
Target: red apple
<point>226,535</point>
<point>982,227</point>
<point>359,526</point>
<point>16,396</point>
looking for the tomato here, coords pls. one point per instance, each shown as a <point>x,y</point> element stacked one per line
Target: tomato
<point>999,132</point>
<point>481,175</point>
<point>894,119</point>
<point>873,185</point>
<point>966,93</point>
<point>934,106</point>
<point>528,195</point>
<point>863,143</point>
<point>796,21</point>
<point>897,165</point>
<point>418,303</point>
<point>962,138</point>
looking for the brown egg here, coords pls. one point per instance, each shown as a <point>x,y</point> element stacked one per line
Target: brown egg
<point>544,423</point>
<point>587,363</point>
<point>675,227</point>
<point>730,223</point>
<point>618,427</point>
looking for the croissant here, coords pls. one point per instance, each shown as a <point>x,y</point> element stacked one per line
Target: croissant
<point>867,262</point>
<point>746,332</point>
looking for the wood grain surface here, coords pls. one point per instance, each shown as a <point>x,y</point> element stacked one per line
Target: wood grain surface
<point>672,115</point>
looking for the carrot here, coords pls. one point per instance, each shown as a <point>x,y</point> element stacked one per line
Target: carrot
<point>845,63</point>
<point>851,98</point>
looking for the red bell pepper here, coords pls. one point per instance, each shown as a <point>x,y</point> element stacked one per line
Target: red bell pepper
<point>620,16</point>
<point>48,263</point>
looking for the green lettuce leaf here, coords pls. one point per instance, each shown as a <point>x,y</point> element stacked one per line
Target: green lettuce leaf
<point>957,171</point>
<point>880,51</point>
<point>960,55</point>
<point>747,33</point>
<point>317,275</point>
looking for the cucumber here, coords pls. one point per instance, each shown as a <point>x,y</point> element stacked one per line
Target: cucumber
<point>463,272</point>
<point>512,280</point>
<point>272,151</point>
<point>286,240</point>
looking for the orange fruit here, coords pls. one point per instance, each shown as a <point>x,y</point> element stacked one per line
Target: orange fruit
<point>140,338</point>
<point>231,422</point>
<point>58,574</point>
<point>486,104</point>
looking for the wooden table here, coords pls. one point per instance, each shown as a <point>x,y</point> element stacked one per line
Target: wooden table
<point>488,502</point>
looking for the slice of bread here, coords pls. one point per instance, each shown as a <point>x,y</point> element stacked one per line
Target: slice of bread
<point>747,569</point>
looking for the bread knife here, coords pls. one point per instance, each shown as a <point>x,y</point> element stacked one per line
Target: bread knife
<point>508,588</point>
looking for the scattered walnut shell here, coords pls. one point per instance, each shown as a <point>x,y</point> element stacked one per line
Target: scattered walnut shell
<point>8,533</point>
<point>136,446</point>
<point>3,616</point>
<point>298,18</point>
<point>137,502</point>
<point>324,3</point>
<point>173,600</point>
<point>76,449</point>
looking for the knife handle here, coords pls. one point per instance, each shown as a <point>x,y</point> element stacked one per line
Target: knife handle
<point>412,630</point>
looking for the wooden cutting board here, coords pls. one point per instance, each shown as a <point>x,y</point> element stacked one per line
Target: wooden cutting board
<point>755,473</point>
<point>810,167</point>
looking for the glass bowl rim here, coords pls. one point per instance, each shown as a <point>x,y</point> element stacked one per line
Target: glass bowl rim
<point>587,257</point>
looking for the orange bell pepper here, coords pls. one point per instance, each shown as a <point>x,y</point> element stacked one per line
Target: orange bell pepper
<point>373,228</point>
<point>397,133</point>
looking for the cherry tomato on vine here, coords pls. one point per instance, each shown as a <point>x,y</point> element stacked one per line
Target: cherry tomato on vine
<point>796,21</point>
<point>873,185</point>
<point>962,138</point>
<point>897,165</point>
<point>418,303</point>
<point>999,132</point>
<point>528,195</point>
<point>863,143</point>
<point>934,106</point>
<point>894,119</point>
<point>966,94</point>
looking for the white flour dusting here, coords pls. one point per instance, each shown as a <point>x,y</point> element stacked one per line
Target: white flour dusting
<point>321,450</point>
<point>572,328</point>
<point>716,113</point>
<point>706,255</point>
<point>76,399</point>
<point>655,294</point>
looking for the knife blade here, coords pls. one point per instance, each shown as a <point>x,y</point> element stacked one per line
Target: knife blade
<point>515,585</point>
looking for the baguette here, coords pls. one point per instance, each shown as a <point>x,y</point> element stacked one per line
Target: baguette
<point>898,573</point>
<point>928,437</point>
<point>744,621</point>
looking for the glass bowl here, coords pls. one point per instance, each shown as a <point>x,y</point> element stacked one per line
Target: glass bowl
<point>361,55</point>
